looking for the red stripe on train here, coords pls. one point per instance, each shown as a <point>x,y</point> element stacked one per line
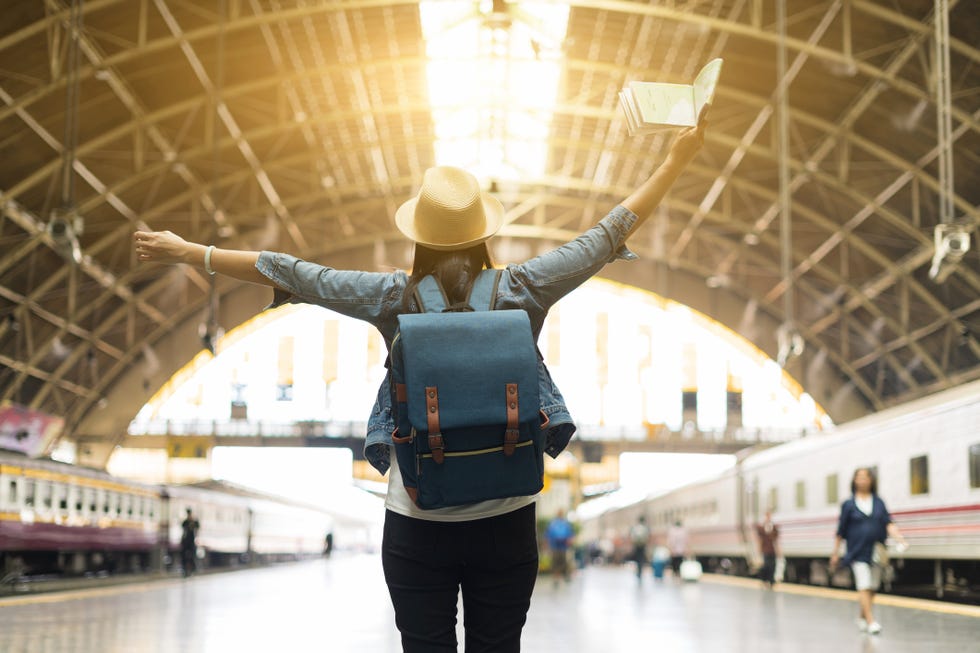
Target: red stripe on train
<point>898,513</point>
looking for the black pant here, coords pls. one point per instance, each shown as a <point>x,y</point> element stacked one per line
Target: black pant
<point>640,557</point>
<point>768,572</point>
<point>188,558</point>
<point>494,561</point>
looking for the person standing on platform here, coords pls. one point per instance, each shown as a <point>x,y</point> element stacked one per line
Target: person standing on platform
<point>559,535</point>
<point>678,545</point>
<point>487,550</point>
<point>768,536</point>
<point>864,523</point>
<point>188,543</point>
<point>640,538</point>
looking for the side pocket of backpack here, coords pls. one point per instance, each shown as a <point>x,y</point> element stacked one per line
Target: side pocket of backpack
<point>403,437</point>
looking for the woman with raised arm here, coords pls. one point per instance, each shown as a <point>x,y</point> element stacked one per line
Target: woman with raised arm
<point>487,549</point>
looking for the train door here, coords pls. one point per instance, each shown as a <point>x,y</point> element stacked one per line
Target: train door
<point>747,513</point>
<point>161,551</point>
<point>249,523</point>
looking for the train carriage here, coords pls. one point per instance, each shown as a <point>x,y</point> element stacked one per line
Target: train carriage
<point>55,516</point>
<point>926,455</point>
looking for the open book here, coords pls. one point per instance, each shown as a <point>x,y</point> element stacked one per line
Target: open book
<point>652,106</point>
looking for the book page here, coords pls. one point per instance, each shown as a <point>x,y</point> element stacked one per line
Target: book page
<point>704,85</point>
<point>664,104</point>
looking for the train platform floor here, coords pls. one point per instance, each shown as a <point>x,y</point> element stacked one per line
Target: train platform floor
<point>341,605</point>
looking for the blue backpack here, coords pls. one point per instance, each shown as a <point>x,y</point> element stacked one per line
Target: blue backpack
<point>465,385</point>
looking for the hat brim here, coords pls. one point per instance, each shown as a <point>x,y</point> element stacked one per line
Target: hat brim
<point>492,209</point>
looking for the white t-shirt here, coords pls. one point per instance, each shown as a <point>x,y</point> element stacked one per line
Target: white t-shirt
<point>398,501</point>
<point>865,505</point>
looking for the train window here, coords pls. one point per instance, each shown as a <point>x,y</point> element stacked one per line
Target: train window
<point>975,465</point>
<point>12,493</point>
<point>90,501</point>
<point>919,475</point>
<point>800,494</point>
<point>62,497</point>
<point>28,493</point>
<point>833,483</point>
<point>773,503</point>
<point>44,491</point>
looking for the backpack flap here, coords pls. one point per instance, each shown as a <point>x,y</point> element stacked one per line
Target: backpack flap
<point>468,361</point>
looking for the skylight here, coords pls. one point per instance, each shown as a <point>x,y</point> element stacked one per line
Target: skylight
<point>493,80</point>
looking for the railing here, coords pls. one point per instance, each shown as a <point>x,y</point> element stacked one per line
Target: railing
<point>248,428</point>
<point>642,433</point>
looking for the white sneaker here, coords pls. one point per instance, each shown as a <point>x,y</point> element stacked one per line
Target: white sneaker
<point>874,628</point>
<point>861,624</point>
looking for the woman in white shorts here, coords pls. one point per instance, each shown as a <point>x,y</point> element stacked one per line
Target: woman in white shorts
<point>864,522</point>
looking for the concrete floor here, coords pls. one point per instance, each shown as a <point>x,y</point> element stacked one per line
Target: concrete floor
<point>342,605</point>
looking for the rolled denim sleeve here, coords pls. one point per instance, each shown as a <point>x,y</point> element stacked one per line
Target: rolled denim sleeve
<point>551,276</point>
<point>361,295</point>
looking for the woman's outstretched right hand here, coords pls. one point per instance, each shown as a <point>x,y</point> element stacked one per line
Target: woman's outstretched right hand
<point>161,247</point>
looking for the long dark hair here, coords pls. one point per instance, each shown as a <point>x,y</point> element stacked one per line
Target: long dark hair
<point>456,270</point>
<point>871,475</point>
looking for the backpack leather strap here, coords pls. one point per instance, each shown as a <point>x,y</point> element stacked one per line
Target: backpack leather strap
<point>512,431</point>
<point>432,415</point>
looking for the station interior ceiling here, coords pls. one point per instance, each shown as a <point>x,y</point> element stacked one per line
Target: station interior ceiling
<point>300,126</point>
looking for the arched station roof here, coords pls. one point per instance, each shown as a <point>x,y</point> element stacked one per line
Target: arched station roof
<point>301,125</point>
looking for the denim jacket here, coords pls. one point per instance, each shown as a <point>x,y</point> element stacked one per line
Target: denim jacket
<point>376,297</point>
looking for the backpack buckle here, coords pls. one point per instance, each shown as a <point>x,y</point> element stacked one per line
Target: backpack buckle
<point>436,445</point>
<point>510,441</point>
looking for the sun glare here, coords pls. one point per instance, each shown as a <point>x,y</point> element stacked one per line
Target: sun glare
<point>493,80</point>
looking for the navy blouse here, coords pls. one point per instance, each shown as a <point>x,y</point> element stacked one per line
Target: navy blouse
<point>862,531</point>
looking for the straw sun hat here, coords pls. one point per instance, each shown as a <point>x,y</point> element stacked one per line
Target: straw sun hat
<point>450,212</point>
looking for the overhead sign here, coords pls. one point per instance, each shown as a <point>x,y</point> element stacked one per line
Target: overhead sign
<point>27,431</point>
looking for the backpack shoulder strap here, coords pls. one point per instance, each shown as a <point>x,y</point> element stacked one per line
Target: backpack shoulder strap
<point>430,296</point>
<point>483,293</point>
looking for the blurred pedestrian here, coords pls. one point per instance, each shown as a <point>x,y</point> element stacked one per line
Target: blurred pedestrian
<point>678,545</point>
<point>188,543</point>
<point>767,534</point>
<point>864,523</point>
<point>559,535</point>
<point>640,538</point>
